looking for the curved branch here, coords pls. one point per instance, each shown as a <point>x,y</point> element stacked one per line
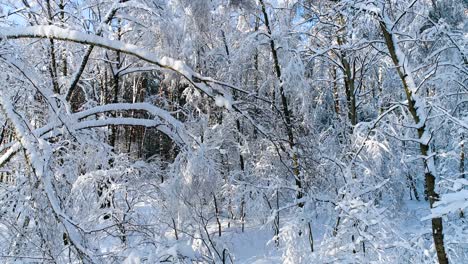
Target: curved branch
<point>54,32</point>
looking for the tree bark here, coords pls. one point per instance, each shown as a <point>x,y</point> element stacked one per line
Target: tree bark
<point>53,61</point>
<point>89,50</point>
<point>349,83</point>
<point>286,110</point>
<point>416,107</point>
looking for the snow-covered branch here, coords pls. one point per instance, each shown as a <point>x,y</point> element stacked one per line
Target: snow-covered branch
<point>53,32</point>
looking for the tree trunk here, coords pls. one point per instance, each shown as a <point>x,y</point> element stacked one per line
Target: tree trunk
<point>115,90</point>
<point>217,212</point>
<point>336,96</point>
<point>349,83</point>
<point>416,107</point>
<point>53,61</point>
<point>286,110</point>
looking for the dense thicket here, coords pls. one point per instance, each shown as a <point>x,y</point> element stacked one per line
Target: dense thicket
<point>233,131</point>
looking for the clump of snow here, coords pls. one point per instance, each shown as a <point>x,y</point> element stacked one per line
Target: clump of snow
<point>242,24</point>
<point>451,202</point>
<point>223,101</point>
<point>133,258</point>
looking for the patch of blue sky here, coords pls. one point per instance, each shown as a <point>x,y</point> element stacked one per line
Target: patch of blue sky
<point>12,14</point>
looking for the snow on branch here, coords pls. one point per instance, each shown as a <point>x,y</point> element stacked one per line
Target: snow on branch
<point>130,106</point>
<point>455,120</point>
<point>53,32</point>
<point>131,122</point>
<point>38,155</point>
<point>171,127</point>
<point>207,85</point>
<point>451,202</point>
<point>9,153</point>
<point>163,121</point>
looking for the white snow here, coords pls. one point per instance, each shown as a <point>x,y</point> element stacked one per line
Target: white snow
<point>223,101</point>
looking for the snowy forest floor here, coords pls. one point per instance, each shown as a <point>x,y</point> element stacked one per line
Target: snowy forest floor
<point>256,244</point>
